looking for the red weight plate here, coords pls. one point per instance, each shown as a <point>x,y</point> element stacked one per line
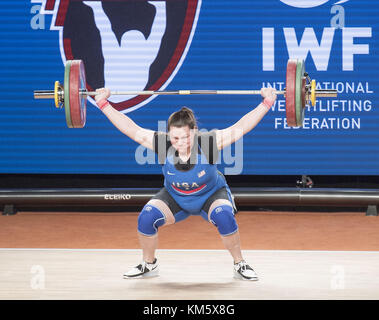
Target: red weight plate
<point>77,101</point>
<point>290,93</point>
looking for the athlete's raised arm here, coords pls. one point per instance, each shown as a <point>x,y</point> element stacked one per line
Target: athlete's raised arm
<point>122,122</point>
<point>229,135</point>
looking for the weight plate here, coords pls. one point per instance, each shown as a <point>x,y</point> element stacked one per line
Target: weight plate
<point>299,92</point>
<point>303,93</point>
<point>67,93</point>
<point>83,101</point>
<point>56,99</point>
<point>303,101</point>
<point>290,92</point>
<point>77,100</point>
<point>313,92</point>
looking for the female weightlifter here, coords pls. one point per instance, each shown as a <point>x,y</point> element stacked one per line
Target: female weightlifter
<point>192,184</point>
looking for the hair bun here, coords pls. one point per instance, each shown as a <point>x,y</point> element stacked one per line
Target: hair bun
<point>186,109</point>
<point>181,118</point>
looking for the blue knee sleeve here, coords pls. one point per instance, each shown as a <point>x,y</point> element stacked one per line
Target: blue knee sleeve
<point>149,220</point>
<point>223,218</point>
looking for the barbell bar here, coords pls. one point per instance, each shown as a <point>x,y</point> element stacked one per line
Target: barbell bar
<point>49,94</point>
<point>300,91</point>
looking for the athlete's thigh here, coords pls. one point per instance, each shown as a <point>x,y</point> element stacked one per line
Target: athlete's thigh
<point>219,198</point>
<point>164,202</point>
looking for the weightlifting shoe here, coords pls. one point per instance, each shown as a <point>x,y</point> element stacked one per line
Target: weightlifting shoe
<point>143,270</point>
<point>243,271</point>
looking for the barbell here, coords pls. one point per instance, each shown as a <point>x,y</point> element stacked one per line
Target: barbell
<point>300,91</point>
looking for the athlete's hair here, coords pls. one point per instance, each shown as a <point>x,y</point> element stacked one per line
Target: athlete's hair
<point>183,117</point>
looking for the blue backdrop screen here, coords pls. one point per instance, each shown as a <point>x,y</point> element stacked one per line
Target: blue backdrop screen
<point>191,44</point>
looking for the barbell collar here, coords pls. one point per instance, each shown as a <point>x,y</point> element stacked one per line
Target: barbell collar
<point>328,93</point>
<point>43,94</point>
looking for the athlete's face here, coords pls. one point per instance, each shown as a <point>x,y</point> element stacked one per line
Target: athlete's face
<point>182,138</point>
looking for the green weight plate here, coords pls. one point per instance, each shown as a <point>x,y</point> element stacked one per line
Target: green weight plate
<point>77,101</point>
<point>290,92</point>
<point>299,93</point>
<point>303,93</point>
<point>67,93</point>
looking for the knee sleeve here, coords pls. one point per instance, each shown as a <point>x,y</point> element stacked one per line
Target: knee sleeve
<point>223,218</point>
<point>149,220</point>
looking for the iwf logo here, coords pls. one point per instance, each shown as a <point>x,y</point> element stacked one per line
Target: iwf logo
<point>125,45</point>
<point>312,42</point>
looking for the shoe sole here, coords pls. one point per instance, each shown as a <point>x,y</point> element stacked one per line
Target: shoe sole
<point>240,277</point>
<point>150,274</point>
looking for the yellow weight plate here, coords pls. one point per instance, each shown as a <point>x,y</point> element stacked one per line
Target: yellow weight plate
<point>57,99</point>
<point>313,92</point>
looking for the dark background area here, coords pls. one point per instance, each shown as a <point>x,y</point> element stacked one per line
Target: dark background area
<point>26,181</point>
<point>51,181</point>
